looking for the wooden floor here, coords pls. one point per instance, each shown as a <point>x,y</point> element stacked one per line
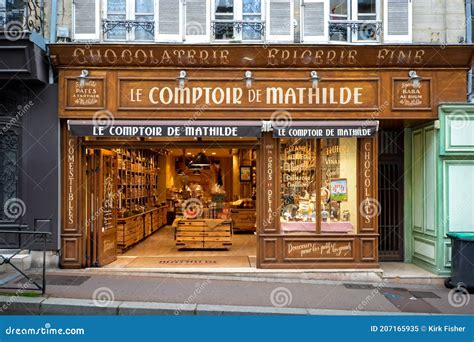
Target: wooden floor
<point>159,251</point>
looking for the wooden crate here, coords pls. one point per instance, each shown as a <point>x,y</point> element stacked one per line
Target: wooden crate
<point>202,234</point>
<point>243,219</point>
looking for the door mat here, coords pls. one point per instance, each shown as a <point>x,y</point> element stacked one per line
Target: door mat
<point>405,301</point>
<point>182,262</point>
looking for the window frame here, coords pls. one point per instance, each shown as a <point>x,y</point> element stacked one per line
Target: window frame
<point>238,15</point>
<point>130,14</point>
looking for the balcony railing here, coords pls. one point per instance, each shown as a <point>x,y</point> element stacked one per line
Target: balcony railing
<point>238,30</point>
<point>18,16</point>
<point>355,30</point>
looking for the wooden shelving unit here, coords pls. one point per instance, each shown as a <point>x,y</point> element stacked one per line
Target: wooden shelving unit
<point>140,214</point>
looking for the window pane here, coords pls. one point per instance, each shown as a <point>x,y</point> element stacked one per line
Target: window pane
<point>251,27</point>
<point>366,6</point>
<point>119,32</point>
<point>143,6</point>
<point>224,6</point>
<point>140,33</point>
<point>251,6</point>
<point>338,185</point>
<point>8,171</point>
<point>116,6</point>
<point>298,186</point>
<point>338,9</point>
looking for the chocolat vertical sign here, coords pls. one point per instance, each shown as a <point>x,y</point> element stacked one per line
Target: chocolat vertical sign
<point>369,206</point>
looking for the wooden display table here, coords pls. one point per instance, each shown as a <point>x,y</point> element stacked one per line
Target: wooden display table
<point>243,219</point>
<point>133,229</point>
<point>203,233</point>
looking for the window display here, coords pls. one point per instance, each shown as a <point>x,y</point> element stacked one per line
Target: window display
<point>328,165</point>
<point>338,185</point>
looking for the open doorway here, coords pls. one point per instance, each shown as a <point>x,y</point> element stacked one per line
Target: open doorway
<point>171,206</point>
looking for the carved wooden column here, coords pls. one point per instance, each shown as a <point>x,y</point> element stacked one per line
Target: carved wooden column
<point>268,189</point>
<point>71,202</point>
<point>369,206</point>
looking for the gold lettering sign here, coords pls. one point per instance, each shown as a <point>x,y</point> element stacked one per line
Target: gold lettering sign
<point>334,94</point>
<point>319,249</point>
<point>408,96</point>
<point>90,95</point>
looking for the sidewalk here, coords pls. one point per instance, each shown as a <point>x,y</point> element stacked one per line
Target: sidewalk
<point>89,292</point>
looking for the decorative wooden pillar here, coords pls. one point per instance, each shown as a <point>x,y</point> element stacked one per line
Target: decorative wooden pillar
<point>268,190</point>
<point>369,205</point>
<point>71,224</point>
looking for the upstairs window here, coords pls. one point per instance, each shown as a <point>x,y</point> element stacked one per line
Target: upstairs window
<point>238,20</point>
<point>131,20</point>
<point>356,21</point>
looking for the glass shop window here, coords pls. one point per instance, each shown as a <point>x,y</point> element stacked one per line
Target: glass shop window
<point>338,185</point>
<point>318,186</point>
<point>298,185</point>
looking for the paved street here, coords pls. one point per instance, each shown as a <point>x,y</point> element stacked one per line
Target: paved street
<point>260,292</point>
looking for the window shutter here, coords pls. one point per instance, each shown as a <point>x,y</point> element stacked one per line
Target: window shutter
<point>86,19</point>
<point>280,16</point>
<point>397,21</point>
<point>197,20</point>
<point>170,13</point>
<point>314,20</point>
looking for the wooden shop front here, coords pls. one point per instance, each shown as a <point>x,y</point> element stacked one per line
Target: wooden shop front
<point>309,113</point>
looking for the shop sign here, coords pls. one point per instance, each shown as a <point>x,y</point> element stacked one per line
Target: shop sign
<point>318,249</point>
<point>334,94</point>
<point>70,181</point>
<point>151,130</point>
<point>91,95</point>
<point>324,132</point>
<point>410,97</point>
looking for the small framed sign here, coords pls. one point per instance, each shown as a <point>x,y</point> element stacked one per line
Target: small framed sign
<point>245,173</point>
<point>339,189</point>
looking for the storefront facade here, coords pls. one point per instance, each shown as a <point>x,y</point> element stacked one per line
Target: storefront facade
<point>313,111</point>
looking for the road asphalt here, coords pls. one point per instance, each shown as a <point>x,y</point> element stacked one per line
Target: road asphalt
<point>92,293</point>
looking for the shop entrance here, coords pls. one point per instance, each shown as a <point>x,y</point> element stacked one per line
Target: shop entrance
<point>170,205</point>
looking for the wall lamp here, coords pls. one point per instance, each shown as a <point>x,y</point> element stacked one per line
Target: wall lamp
<point>415,79</point>
<point>83,78</point>
<point>314,79</point>
<point>248,78</point>
<point>182,79</point>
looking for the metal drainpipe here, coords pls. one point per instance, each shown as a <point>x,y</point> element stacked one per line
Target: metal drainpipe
<point>52,32</point>
<point>469,41</point>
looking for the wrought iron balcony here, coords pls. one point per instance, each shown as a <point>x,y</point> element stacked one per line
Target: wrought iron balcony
<point>355,30</point>
<point>128,25</point>
<point>238,30</point>
<point>20,16</point>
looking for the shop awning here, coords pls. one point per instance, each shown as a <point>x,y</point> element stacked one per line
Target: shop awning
<point>325,129</point>
<point>166,129</point>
